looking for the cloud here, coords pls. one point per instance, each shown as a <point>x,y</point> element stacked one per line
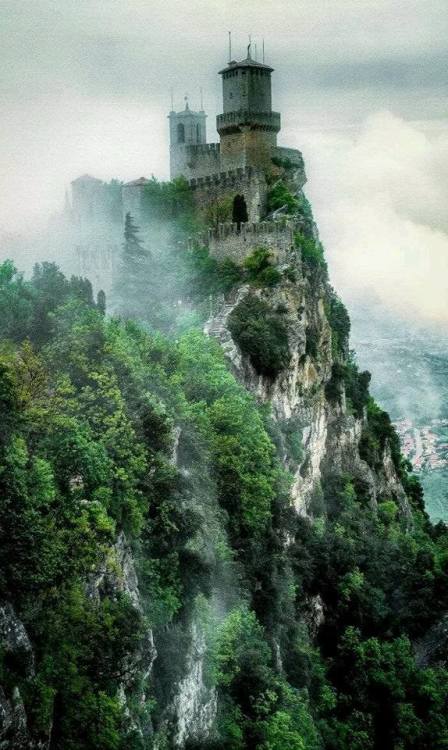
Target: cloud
<point>85,88</point>
<point>380,199</point>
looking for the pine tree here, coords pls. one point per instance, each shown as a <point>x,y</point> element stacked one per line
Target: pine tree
<point>101,302</point>
<point>134,254</point>
<point>132,284</point>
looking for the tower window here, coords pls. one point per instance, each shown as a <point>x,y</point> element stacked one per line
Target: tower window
<point>198,132</point>
<point>181,133</point>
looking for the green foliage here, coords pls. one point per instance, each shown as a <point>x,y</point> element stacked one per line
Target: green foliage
<point>208,276</point>
<point>169,202</point>
<point>312,253</point>
<point>356,385</point>
<point>379,434</point>
<point>280,195</point>
<point>259,268</point>
<point>242,452</point>
<point>390,694</point>
<point>218,211</point>
<point>261,334</point>
<point>265,712</point>
<point>304,211</point>
<point>92,410</point>
<point>339,321</point>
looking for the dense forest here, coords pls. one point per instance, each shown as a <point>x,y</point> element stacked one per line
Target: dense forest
<point>145,505</point>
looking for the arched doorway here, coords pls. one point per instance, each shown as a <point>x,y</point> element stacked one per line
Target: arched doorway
<point>239,210</point>
<point>181,133</point>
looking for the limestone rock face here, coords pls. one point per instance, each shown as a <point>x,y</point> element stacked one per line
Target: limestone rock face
<point>195,704</point>
<point>14,638</point>
<point>330,433</point>
<point>117,575</point>
<point>15,646</point>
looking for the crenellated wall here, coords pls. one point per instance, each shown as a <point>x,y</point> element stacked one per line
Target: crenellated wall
<point>196,160</point>
<point>236,243</point>
<point>249,182</point>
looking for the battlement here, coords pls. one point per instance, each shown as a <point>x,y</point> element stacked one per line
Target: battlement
<point>194,159</point>
<point>237,242</point>
<point>230,177</point>
<point>253,229</point>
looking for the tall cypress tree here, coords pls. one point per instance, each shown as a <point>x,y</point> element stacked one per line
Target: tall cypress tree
<point>131,286</point>
<point>134,256</point>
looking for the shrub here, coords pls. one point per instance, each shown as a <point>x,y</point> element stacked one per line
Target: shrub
<point>261,334</point>
<point>356,386</point>
<point>311,250</point>
<point>280,196</point>
<point>168,201</point>
<point>377,433</point>
<point>339,321</point>
<point>259,268</point>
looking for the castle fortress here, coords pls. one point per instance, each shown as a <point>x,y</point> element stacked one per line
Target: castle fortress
<point>238,171</point>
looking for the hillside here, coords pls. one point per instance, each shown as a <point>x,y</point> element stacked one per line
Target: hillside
<point>209,537</point>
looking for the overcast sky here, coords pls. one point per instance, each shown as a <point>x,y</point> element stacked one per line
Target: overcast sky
<point>361,85</point>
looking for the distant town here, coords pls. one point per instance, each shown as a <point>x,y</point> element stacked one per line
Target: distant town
<point>425,446</point>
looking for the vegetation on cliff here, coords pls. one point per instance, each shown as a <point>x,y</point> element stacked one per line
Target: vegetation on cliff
<point>112,430</point>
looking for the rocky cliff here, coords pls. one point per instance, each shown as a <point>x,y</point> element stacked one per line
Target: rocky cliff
<point>242,558</point>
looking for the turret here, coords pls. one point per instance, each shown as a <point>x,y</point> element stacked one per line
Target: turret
<point>247,127</point>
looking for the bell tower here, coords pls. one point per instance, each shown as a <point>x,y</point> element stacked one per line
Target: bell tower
<point>247,127</point>
<point>187,128</point>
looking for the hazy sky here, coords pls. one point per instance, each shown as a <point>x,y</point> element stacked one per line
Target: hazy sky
<point>361,85</point>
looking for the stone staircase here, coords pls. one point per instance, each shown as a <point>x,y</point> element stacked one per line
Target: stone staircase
<point>216,326</point>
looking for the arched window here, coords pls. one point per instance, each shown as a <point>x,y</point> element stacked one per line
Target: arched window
<point>181,133</point>
<point>239,210</point>
<point>198,133</point>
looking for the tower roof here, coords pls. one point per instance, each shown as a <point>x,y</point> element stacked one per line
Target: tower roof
<point>86,178</point>
<point>137,183</point>
<point>247,63</point>
<point>187,112</point>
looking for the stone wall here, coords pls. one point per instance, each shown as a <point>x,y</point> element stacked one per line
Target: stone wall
<point>248,148</point>
<point>194,160</point>
<point>249,182</point>
<point>227,241</point>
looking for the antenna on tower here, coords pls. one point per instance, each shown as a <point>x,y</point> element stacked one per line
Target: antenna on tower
<point>202,99</point>
<point>249,46</point>
<point>263,50</point>
<point>230,46</point>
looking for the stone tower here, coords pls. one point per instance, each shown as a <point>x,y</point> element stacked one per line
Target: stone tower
<point>187,129</point>
<point>247,127</point>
